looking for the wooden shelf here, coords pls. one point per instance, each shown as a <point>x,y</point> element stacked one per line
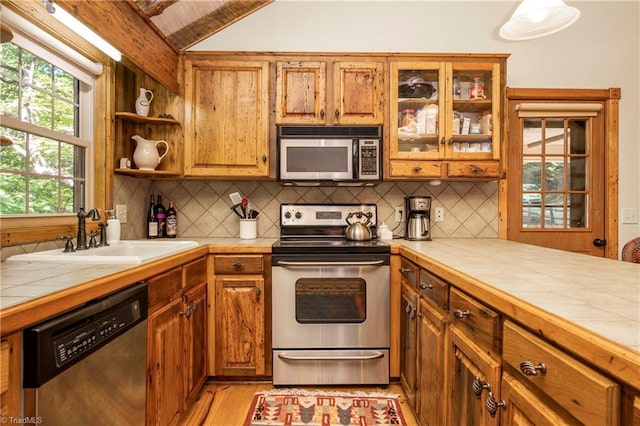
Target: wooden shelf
<point>130,116</point>
<point>147,173</point>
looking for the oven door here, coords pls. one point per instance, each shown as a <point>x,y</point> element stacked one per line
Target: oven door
<point>331,303</point>
<point>316,159</point>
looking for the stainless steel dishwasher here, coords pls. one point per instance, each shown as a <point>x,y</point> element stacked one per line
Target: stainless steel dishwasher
<point>87,366</point>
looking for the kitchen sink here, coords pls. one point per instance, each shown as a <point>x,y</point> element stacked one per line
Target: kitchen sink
<point>128,251</point>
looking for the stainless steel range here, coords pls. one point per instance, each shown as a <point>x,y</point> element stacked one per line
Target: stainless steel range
<point>330,299</point>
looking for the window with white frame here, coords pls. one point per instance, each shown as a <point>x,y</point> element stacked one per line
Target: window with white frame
<point>46,111</point>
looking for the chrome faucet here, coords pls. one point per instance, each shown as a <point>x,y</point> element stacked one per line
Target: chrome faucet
<point>82,230</point>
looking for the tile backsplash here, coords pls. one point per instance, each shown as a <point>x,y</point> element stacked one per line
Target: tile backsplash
<point>470,208</point>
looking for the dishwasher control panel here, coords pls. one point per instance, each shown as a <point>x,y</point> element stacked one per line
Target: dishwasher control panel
<point>74,344</point>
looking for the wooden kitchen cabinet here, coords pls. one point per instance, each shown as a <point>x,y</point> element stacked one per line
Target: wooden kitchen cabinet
<point>226,118</point>
<point>241,296</point>
<point>176,341</point>
<point>10,376</point>
<point>434,134</point>
<point>573,391</point>
<point>473,369</point>
<point>304,95</point>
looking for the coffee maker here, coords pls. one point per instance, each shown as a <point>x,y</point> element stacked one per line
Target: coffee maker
<point>418,226</point>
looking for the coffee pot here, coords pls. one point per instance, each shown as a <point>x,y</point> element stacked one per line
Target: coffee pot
<point>418,226</point>
<point>146,154</point>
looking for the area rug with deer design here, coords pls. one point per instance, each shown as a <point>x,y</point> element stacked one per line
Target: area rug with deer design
<point>297,407</point>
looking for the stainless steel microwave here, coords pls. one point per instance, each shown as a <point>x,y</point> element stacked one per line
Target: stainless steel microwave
<point>329,155</point>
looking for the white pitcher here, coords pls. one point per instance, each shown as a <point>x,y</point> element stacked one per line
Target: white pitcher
<point>146,154</point>
<point>143,102</point>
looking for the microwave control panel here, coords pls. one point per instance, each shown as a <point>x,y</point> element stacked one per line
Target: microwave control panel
<point>369,158</point>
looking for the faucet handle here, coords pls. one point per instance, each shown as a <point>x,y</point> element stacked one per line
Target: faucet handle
<point>68,246</point>
<point>92,239</point>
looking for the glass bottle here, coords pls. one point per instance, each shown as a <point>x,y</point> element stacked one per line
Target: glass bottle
<point>172,221</point>
<point>152,220</point>
<point>476,90</point>
<point>161,215</point>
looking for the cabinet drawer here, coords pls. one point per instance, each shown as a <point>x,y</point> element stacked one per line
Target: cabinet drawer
<point>416,169</point>
<point>195,273</point>
<point>486,169</point>
<point>479,322</point>
<point>409,271</point>
<point>163,288</point>
<point>434,289</point>
<point>238,264</point>
<point>589,396</point>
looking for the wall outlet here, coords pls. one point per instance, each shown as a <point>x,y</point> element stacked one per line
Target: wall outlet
<point>439,214</point>
<point>629,215</point>
<point>399,214</point>
<point>121,212</point>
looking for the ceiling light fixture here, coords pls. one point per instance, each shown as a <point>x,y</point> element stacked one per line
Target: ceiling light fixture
<point>83,31</point>
<point>538,18</point>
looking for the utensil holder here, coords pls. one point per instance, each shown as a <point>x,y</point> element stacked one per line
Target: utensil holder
<point>248,229</point>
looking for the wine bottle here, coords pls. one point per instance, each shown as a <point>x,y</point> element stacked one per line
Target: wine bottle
<point>161,215</point>
<point>172,221</point>
<point>152,220</point>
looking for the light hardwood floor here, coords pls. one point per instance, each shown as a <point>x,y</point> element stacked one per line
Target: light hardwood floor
<point>227,404</point>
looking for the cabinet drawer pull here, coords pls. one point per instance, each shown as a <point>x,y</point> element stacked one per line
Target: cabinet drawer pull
<point>529,369</point>
<point>460,314</point>
<point>237,264</point>
<point>475,169</point>
<point>403,270</point>
<point>424,286</point>
<point>492,405</point>
<point>417,169</point>
<point>478,386</point>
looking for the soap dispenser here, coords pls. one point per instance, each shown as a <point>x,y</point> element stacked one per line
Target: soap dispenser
<point>113,228</point>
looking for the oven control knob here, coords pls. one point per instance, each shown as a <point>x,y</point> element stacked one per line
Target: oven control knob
<point>287,215</point>
<point>298,215</point>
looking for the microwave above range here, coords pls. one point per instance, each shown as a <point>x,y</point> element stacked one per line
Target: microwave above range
<point>329,155</point>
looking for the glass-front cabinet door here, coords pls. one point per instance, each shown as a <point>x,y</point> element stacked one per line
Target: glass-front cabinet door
<point>417,108</point>
<point>473,106</point>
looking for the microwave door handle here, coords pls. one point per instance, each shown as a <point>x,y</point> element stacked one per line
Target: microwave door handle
<point>355,167</point>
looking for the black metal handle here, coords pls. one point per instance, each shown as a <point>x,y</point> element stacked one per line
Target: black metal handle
<point>599,242</point>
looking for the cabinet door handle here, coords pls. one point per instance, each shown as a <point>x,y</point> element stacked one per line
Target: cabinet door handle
<point>460,314</point>
<point>450,141</point>
<point>478,386</point>
<point>321,113</point>
<point>529,369</point>
<point>258,292</point>
<point>186,313</point>
<point>492,405</point>
<point>194,306</point>
<point>337,114</point>
<point>443,141</point>
<point>264,158</point>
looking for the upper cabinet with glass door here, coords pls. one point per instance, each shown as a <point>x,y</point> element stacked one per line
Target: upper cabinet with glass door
<point>472,109</point>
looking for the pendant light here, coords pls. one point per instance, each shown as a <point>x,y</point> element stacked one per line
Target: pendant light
<point>538,18</point>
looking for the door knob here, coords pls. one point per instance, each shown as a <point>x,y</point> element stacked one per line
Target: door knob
<point>599,242</point>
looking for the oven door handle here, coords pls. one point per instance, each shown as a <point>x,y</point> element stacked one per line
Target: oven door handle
<point>294,264</point>
<point>373,355</point>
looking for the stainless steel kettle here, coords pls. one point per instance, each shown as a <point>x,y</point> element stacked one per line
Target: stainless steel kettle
<point>358,230</point>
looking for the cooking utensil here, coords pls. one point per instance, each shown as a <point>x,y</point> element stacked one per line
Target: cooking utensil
<point>243,204</point>
<point>235,209</point>
<point>236,198</point>
<point>357,230</point>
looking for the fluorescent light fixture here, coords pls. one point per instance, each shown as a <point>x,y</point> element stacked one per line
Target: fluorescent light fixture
<point>538,18</point>
<point>83,31</point>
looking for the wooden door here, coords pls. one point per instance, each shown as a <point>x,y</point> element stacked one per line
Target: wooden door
<point>240,328</point>
<point>165,358</point>
<point>227,118</point>
<point>430,380</point>
<point>408,342</point>
<point>559,193</point>
<point>468,368</point>
<point>301,92</point>
<point>523,408</point>
<point>196,340</point>
<point>358,92</point>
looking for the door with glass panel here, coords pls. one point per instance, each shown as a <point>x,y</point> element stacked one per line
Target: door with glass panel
<point>556,174</point>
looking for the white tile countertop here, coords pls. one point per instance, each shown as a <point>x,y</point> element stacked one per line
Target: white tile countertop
<point>600,295</point>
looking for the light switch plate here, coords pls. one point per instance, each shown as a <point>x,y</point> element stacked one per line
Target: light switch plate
<point>121,212</point>
<point>629,215</point>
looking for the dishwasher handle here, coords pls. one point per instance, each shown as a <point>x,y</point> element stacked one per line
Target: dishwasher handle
<point>288,264</point>
<point>369,356</point>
